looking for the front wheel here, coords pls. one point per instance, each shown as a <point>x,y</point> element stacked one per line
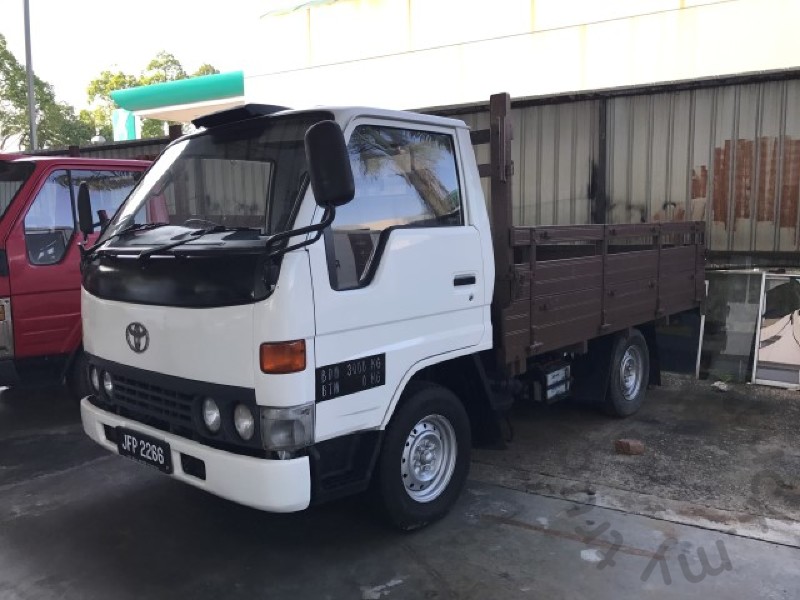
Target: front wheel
<point>425,457</point>
<point>630,374</point>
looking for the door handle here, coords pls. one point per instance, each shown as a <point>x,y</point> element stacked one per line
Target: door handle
<point>464,280</point>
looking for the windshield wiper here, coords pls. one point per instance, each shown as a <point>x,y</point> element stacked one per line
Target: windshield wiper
<point>191,236</point>
<point>129,229</point>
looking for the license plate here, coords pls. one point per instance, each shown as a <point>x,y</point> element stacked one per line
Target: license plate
<point>144,449</point>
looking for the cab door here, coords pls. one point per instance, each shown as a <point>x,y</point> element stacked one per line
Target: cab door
<point>398,278</point>
<point>44,258</point>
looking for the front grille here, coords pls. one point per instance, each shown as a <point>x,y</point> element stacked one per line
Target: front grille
<point>159,407</point>
<point>153,402</point>
<point>171,404</point>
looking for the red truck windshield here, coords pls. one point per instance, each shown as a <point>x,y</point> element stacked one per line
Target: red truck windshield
<point>13,176</point>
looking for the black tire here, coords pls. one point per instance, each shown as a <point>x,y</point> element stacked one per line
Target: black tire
<point>435,407</point>
<point>630,374</point>
<point>78,378</point>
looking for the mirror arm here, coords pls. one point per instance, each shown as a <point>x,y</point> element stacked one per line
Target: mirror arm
<point>327,218</point>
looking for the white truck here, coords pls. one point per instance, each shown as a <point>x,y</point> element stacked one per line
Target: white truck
<point>293,306</point>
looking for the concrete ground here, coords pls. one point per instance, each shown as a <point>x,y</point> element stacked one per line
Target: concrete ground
<point>724,460</point>
<point>557,515</point>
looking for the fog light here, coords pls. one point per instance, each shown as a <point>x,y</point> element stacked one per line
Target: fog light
<point>211,415</point>
<point>108,384</point>
<point>244,422</point>
<point>94,378</point>
<point>287,428</point>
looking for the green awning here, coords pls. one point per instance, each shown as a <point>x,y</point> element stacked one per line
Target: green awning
<point>183,91</point>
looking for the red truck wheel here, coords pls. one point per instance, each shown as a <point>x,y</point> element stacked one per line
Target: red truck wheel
<point>630,371</point>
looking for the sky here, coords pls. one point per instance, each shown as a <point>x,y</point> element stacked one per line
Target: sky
<point>72,41</point>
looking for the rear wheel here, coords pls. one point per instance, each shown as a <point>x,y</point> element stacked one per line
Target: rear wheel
<point>78,378</point>
<point>630,372</point>
<point>425,457</point>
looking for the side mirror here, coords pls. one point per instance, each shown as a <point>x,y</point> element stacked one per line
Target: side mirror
<point>85,221</point>
<point>329,165</point>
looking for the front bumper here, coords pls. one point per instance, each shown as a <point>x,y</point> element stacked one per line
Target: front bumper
<point>272,485</point>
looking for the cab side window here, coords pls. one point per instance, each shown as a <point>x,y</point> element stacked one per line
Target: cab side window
<point>107,189</point>
<point>50,222</point>
<point>403,178</point>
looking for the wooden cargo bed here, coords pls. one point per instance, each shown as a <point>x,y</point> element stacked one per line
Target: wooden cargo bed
<point>557,287</point>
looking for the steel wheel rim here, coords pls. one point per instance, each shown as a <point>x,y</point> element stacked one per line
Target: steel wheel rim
<point>631,372</point>
<point>429,458</point>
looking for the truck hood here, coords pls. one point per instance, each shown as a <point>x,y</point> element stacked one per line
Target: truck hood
<point>211,344</point>
<point>214,345</point>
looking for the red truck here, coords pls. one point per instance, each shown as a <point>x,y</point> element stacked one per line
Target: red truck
<point>40,326</point>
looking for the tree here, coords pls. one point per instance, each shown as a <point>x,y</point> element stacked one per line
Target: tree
<point>57,123</point>
<point>99,95</point>
<point>205,69</point>
<point>98,120</point>
<point>162,68</point>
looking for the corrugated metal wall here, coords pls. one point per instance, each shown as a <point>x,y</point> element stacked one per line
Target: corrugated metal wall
<point>146,150</point>
<point>7,191</point>
<point>554,150</point>
<point>135,149</point>
<point>728,155</point>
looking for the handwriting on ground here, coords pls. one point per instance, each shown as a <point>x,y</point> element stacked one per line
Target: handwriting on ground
<point>601,560</point>
<point>379,591</point>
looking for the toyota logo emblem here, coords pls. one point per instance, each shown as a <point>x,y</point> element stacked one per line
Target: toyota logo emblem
<point>137,337</point>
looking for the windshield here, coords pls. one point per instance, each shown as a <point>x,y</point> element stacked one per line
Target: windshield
<point>12,176</point>
<point>247,174</point>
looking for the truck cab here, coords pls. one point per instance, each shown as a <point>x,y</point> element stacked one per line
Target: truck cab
<point>40,327</point>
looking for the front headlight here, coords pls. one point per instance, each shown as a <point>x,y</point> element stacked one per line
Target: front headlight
<point>244,422</point>
<point>94,377</point>
<point>211,415</point>
<point>108,384</point>
<point>287,428</point>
